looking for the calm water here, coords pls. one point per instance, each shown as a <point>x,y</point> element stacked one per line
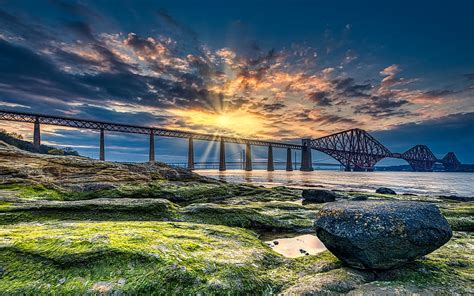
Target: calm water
<point>435,183</point>
<point>297,246</point>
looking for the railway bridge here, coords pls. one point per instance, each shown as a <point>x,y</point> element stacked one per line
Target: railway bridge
<point>355,149</point>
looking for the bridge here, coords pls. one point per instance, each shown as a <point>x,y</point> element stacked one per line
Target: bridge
<point>354,149</point>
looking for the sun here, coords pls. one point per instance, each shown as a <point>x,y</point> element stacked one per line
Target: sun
<point>223,120</point>
<point>235,122</point>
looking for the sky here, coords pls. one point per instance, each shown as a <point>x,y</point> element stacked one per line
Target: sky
<point>276,70</point>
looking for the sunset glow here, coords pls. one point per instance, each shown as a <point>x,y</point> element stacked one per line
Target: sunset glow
<point>283,81</point>
<point>230,123</point>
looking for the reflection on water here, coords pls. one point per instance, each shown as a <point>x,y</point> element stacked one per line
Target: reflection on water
<point>432,183</point>
<point>297,246</point>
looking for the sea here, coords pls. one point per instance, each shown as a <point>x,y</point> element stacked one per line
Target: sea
<point>422,183</point>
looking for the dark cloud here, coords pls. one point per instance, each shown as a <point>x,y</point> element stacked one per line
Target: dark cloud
<point>440,92</point>
<point>133,118</point>
<point>321,98</point>
<point>273,107</point>
<point>382,106</point>
<point>333,119</point>
<point>347,87</point>
<point>469,76</point>
<point>325,118</point>
<point>81,29</point>
<point>27,72</point>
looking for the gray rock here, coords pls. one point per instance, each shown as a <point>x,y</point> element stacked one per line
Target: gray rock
<point>381,234</point>
<point>318,195</point>
<point>385,190</point>
<point>458,198</point>
<point>359,198</point>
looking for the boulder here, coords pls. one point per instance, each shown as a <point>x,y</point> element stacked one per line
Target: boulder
<point>318,195</point>
<point>378,234</point>
<point>385,190</point>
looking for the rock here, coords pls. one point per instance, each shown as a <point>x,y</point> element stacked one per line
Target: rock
<point>334,282</point>
<point>318,195</point>
<point>275,243</point>
<point>121,282</point>
<point>381,234</point>
<point>385,190</point>
<point>95,186</point>
<point>76,173</point>
<point>458,198</point>
<point>359,198</point>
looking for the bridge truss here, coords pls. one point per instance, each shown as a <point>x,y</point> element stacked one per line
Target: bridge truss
<point>126,128</point>
<point>355,149</point>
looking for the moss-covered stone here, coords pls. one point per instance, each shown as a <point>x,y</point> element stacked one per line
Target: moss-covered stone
<point>134,257</point>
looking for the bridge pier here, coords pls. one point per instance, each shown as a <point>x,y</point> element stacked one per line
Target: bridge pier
<point>248,158</point>
<point>151,153</point>
<point>289,165</point>
<point>306,160</point>
<point>191,154</point>
<point>222,156</point>
<point>270,166</point>
<point>102,145</point>
<point>37,135</point>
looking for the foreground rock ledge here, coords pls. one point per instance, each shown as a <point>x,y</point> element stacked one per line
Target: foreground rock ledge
<point>381,234</point>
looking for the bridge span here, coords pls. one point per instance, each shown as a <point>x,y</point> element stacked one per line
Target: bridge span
<point>355,149</point>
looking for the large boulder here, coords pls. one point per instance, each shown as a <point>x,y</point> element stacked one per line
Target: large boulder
<point>318,195</point>
<point>385,190</point>
<point>381,234</point>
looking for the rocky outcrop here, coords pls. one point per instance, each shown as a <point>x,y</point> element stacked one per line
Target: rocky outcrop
<point>385,190</point>
<point>318,195</point>
<point>381,234</point>
<point>81,173</point>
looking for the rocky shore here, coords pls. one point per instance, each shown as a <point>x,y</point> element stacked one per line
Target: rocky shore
<point>73,225</point>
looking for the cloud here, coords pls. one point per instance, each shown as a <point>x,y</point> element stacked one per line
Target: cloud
<point>321,98</point>
<point>91,67</point>
<point>383,107</point>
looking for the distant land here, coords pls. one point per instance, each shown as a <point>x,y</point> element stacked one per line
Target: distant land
<point>465,168</point>
<point>18,141</point>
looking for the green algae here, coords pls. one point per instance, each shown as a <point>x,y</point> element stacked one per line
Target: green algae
<point>189,238</point>
<point>134,257</point>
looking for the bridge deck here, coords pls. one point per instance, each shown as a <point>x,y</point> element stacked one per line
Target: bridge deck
<point>135,129</point>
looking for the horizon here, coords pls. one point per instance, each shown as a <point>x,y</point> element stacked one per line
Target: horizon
<point>404,75</point>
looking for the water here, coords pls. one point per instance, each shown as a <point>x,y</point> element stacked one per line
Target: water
<point>297,246</point>
<point>423,183</point>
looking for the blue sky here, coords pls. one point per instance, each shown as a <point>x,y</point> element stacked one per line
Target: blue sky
<point>279,70</point>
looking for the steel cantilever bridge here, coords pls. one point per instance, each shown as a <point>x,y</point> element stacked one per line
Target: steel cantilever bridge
<point>355,149</point>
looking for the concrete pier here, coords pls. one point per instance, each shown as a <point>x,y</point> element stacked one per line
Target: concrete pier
<point>289,166</point>
<point>248,157</point>
<point>37,135</point>
<point>191,154</point>
<point>151,153</point>
<point>270,166</point>
<point>102,145</point>
<point>306,160</point>
<point>222,156</point>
